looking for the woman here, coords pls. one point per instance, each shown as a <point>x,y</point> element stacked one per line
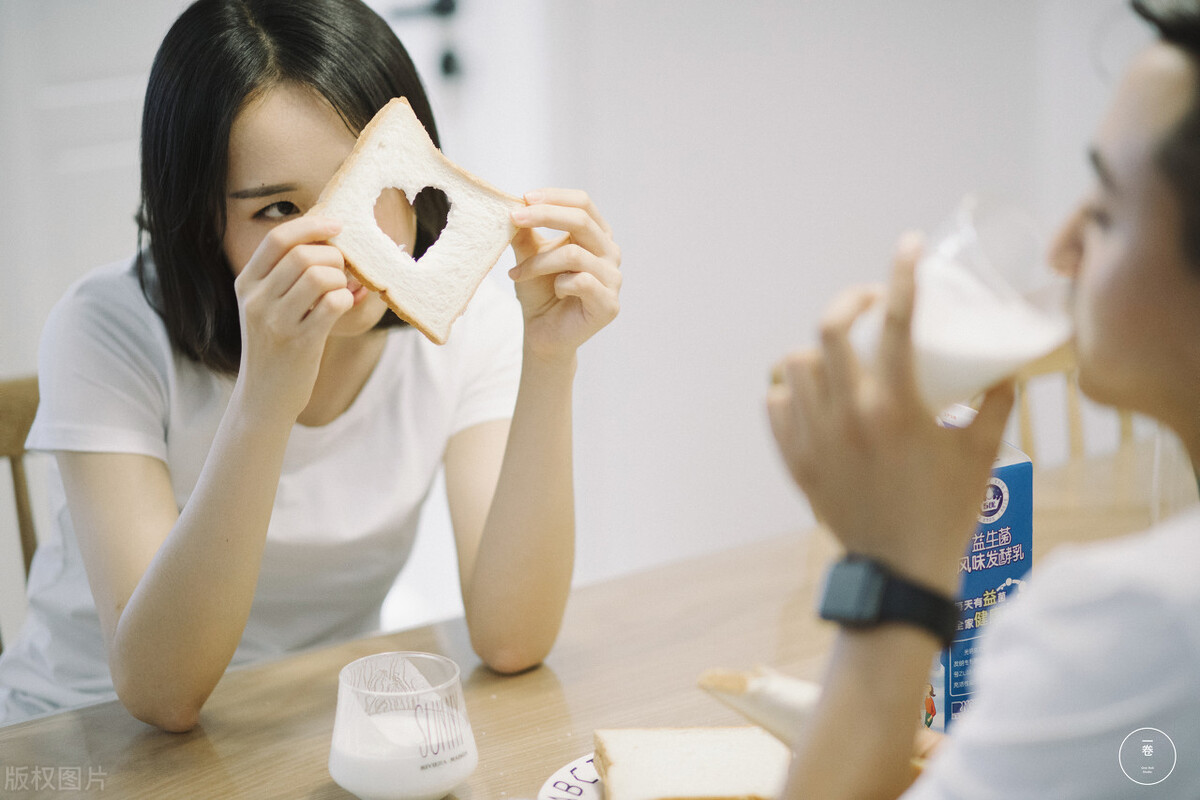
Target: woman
<point>245,435</point>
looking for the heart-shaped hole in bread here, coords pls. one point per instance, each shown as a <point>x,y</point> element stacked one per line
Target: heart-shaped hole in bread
<point>396,220</point>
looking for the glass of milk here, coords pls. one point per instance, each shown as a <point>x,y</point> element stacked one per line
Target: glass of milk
<point>986,305</point>
<point>401,730</point>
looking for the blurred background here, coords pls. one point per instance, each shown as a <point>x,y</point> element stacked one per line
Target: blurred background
<point>754,158</point>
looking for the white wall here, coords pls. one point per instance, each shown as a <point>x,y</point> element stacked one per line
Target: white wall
<point>752,157</point>
<point>72,76</point>
<point>755,158</point>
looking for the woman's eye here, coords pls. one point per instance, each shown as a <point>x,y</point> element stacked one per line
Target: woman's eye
<point>277,211</point>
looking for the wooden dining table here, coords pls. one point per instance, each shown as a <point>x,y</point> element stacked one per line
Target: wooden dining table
<point>629,655</point>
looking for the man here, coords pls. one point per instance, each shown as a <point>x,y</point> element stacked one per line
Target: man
<point>1089,687</point>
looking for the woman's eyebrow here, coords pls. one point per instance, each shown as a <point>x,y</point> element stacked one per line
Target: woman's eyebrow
<point>263,191</point>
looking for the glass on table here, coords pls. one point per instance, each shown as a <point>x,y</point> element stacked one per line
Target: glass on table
<point>401,730</point>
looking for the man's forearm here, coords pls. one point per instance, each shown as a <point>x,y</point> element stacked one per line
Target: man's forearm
<point>859,742</point>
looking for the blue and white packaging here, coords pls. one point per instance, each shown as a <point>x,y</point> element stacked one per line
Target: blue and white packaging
<point>992,570</point>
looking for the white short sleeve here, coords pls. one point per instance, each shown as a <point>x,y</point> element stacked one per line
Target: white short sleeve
<point>492,335</point>
<point>102,369</point>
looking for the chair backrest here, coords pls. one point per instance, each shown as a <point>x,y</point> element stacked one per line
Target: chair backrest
<point>1061,361</point>
<point>18,405</point>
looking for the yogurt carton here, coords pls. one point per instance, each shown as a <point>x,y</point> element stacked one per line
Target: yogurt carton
<point>993,570</point>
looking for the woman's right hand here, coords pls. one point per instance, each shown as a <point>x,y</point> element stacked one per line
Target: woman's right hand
<point>290,294</point>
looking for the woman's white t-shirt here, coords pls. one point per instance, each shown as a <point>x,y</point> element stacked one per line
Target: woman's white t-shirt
<point>349,497</point>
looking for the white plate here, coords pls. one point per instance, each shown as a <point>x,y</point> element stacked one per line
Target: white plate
<point>576,781</point>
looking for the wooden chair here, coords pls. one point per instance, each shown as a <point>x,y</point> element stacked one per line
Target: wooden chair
<point>1061,361</point>
<point>18,404</point>
<point>1089,493</point>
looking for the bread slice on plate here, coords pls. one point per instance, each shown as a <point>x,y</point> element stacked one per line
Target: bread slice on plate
<point>395,151</point>
<point>734,763</point>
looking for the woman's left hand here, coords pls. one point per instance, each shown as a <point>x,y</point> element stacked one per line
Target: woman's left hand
<point>568,287</point>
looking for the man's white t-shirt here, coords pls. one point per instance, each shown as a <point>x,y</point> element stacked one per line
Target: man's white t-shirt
<point>349,497</point>
<point>1088,681</point>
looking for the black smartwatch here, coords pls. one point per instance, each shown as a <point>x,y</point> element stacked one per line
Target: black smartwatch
<point>862,593</point>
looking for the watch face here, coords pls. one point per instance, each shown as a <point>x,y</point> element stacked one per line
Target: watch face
<point>853,593</point>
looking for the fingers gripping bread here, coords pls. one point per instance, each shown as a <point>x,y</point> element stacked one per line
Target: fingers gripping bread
<point>395,151</point>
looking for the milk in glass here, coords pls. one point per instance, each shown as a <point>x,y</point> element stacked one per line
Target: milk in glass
<point>401,730</point>
<point>970,329</point>
<point>416,758</point>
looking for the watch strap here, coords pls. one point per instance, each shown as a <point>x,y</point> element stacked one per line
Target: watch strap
<point>904,601</point>
<point>862,593</point>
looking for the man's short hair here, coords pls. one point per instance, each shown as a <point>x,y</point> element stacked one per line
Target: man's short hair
<point>1178,23</point>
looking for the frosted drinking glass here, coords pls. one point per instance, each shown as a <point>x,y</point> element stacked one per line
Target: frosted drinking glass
<point>401,730</point>
<point>985,305</point>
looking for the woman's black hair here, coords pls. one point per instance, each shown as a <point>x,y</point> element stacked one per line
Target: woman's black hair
<point>1178,23</point>
<point>218,55</point>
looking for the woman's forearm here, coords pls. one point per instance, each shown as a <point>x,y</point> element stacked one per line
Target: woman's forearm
<point>184,620</point>
<point>517,592</point>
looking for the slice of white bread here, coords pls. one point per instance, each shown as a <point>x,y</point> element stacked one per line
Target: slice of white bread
<point>395,151</point>
<point>777,702</point>
<point>736,763</point>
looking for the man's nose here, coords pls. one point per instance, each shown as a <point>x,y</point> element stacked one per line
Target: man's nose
<point>1066,251</point>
